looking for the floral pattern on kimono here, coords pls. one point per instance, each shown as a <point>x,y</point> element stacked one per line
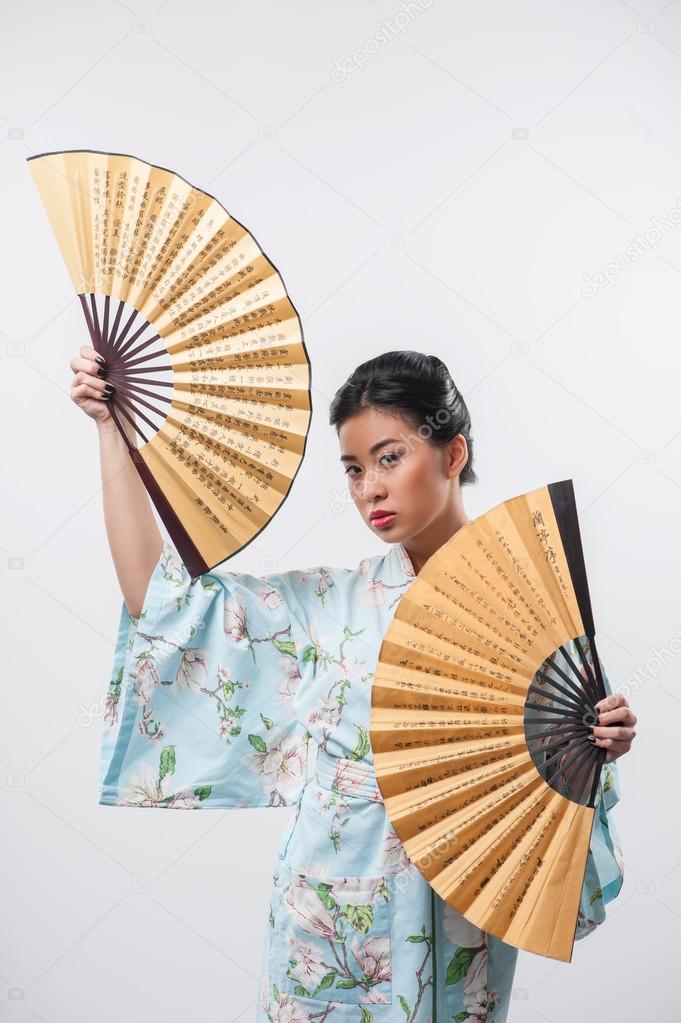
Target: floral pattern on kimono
<point>235,690</point>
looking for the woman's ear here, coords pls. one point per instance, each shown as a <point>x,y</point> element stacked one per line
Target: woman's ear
<point>458,455</point>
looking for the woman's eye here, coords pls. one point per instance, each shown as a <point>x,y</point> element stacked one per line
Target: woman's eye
<point>349,468</point>
<point>392,455</point>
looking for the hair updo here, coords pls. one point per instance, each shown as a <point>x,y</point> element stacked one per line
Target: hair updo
<point>417,387</point>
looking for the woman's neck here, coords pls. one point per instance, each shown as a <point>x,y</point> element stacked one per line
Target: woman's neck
<point>421,547</point>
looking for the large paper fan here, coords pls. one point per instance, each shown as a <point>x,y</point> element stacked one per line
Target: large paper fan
<point>202,344</point>
<point>482,702</point>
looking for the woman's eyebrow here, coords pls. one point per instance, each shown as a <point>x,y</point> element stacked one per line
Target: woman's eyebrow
<point>375,447</point>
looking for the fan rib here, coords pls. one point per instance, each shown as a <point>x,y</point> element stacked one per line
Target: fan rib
<point>571,704</point>
<point>571,693</point>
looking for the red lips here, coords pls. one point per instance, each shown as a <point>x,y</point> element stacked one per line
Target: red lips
<point>380,513</point>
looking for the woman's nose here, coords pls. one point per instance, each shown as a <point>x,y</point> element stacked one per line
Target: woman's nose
<point>374,487</point>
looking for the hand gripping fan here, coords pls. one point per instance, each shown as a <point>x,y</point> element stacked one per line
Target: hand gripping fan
<point>202,344</point>
<point>481,709</point>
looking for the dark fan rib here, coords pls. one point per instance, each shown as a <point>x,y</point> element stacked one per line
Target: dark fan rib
<point>131,340</point>
<point>577,707</point>
<point>551,710</point>
<point>591,684</point>
<point>126,328</point>
<point>117,319</point>
<point>145,344</point>
<point>597,775</point>
<point>563,730</point>
<point>573,691</point>
<point>131,421</point>
<point>95,316</point>
<point>149,394</point>
<point>573,769</point>
<point>577,741</point>
<point>566,678</point>
<point>562,742</point>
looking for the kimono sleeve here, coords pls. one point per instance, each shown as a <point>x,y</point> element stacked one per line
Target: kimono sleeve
<point>604,873</point>
<point>200,708</point>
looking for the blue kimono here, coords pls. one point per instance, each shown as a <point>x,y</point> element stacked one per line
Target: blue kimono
<point>217,690</point>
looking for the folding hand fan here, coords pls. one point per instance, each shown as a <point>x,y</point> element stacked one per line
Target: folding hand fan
<point>204,346</point>
<point>481,709</point>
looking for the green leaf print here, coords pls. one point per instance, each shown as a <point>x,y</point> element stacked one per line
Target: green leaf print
<point>286,646</point>
<point>405,1006</point>
<point>323,891</point>
<point>267,722</point>
<point>595,896</point>
<point>362,747</point>
<point>415,938</point>
<point>361,917</point>
<point>203,791</point>
<point>258,743</point>
<point>458,968</point>
<point>166,763</point>
<point>228,689</point>
<point>310,654</point>
<point>461,1017</point>
<point>365,1016</point>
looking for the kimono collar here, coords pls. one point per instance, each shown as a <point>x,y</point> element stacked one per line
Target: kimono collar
<point>402,561</point>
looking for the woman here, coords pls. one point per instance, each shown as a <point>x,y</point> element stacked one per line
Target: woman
<point>219,684</point>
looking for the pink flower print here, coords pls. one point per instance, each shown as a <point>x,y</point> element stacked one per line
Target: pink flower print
<point>281,766</point>
<point>143,790</point>
<point>375,997</point>
<point>287,1009</point>
<point>289,687</point>
<point>271,598</point>
<point>193,670</point>
<point>311,916</point>
<point>373,956</point>
<point>146,677</point>
<point>235,619</point>
<point>373,594</point>
<point>394,856</point>
<point>476,997</point>
<point>309,969</point>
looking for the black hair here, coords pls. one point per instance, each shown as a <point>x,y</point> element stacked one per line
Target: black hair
<point>415,386</point>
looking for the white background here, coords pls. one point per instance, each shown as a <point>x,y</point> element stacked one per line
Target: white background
<point>449,195</point>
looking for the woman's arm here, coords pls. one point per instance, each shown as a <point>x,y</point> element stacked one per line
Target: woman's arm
<point>134,538</point>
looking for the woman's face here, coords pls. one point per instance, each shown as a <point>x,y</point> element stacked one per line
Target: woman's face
<point>391,467</point>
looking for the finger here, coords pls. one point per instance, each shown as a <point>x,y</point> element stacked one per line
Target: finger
<point>83,377</point>
<point>89,366</point>
<point>613,732</point>
<point>614,745</point>
<point>81,391</point>
<point>88,352</point>
<point>621,715</point>
<point>611,702</point>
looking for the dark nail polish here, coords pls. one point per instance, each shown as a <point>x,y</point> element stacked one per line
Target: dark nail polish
<point>109,390</point>
<point>100,360</point>
<point>101,372</point>
<point>591,738</point>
